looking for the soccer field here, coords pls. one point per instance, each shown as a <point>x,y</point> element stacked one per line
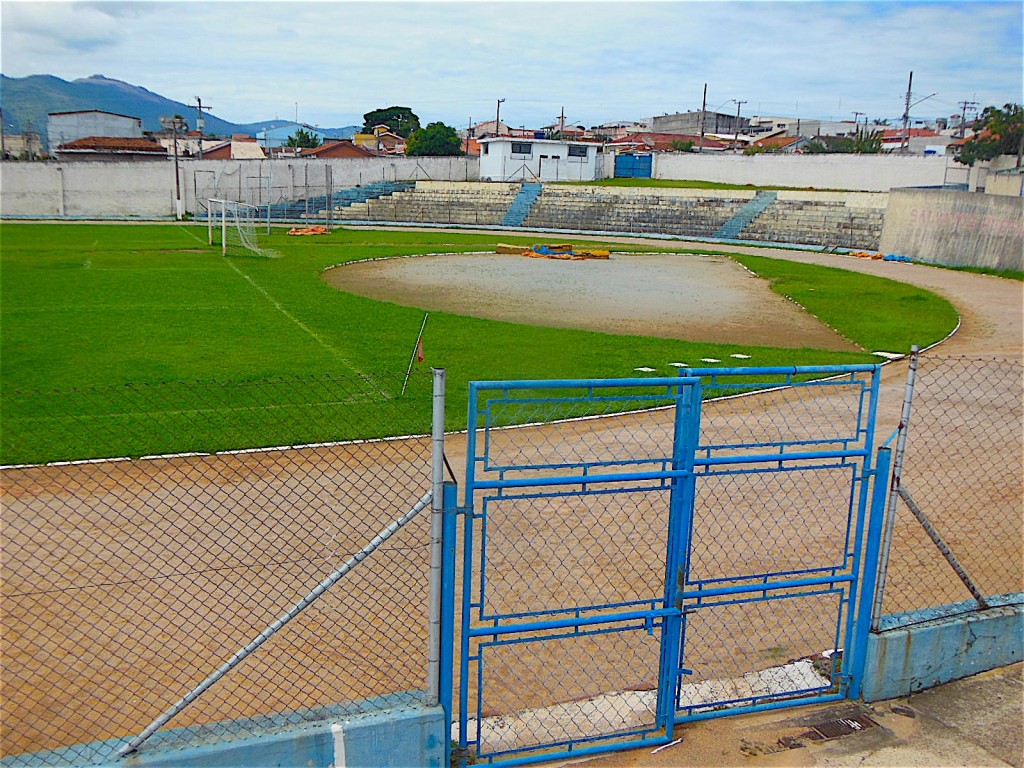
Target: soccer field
<point>94,315</point>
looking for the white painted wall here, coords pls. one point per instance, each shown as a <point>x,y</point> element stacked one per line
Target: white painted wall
<point>547,160</point>
<point>869,173</point>
<point>146,190</point>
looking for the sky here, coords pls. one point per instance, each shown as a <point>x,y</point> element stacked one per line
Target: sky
<point>327,63</point>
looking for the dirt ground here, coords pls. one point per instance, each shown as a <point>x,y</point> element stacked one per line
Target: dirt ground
<point>102,661</point>
<point>696,297</point>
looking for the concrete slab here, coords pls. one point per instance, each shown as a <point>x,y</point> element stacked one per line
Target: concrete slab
<point>978,721</point>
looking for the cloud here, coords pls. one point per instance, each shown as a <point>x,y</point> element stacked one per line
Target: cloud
<point>34,29</point>
<point>599,60</point>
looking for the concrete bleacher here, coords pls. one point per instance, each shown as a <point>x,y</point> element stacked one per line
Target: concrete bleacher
<point>828,219</point>
<point>693,213</point>
<point>844,219</point>
<point>438,203</point>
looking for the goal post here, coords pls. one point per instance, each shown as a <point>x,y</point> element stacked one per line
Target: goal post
<point>234,224</point>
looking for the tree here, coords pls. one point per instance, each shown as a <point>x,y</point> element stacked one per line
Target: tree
<point>678,145</point>
<point>304,139</point>
<point>999,132</point>
<point>400,120</point>
<point>435,139</point>
<point>864,142</point>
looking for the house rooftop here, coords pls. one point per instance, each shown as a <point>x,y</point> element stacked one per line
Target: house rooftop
<point>113,144</point>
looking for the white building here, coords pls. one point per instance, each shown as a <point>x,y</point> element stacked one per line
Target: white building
<point>65,127</point>
<point>507,158</point>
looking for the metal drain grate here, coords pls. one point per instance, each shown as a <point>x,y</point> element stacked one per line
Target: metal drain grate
<point>844,726</point>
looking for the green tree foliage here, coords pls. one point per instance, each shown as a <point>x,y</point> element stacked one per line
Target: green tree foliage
<point>863,143</point>
<point>304,139</point>
<point>678,145</point>
<point>1000,132</point>
<point>435,139</point>
<point>400,120</point>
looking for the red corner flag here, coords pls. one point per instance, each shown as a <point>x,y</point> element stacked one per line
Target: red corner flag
<point>419,351</point>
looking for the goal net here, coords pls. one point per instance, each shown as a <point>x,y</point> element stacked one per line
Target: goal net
<point>232,225</point>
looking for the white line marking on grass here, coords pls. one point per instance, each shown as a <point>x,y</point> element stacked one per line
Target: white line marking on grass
<point>309,331</point>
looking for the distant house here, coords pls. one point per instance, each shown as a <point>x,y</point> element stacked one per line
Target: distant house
<point>782,144</point>
<point>690,123</point>
<point>22,146</point>
<point>333,148</point>
<point>238,148</point>
<point>663,142</point>
<point>619,129</point>
<point>111,148</point>
<point>918,141</point>
<point>507,158</point>
<point>381,142</point>
<point>66,127</point>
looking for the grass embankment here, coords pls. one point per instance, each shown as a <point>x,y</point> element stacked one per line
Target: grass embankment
<point>96,308</point>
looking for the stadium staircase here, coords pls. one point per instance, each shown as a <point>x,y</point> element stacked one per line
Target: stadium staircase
<point>316,207</point>
<point>521,205</point>
<point>745,216</point>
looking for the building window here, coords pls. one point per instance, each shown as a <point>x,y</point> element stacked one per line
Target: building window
<point>487,148</point>
<point>521,148</point>
<point>577,151</point>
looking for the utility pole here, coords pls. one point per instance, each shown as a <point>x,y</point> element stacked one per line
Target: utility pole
<point>3,143</point>
<point>703,115</point>
<point>200,124</point>
<point>971,105</point>
<point>736,127</point>
<point>905,141</point>
<point>856,118</point>
<point>561,125</point>
<point>497,118</point>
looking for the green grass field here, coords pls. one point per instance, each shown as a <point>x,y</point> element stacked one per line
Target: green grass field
<point>95,315</point>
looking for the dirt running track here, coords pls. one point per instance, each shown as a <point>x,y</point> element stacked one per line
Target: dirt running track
<point>42,711</point>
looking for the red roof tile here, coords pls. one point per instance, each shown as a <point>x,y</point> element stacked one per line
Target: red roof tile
<point>113,144</point>
<point>662,142</point>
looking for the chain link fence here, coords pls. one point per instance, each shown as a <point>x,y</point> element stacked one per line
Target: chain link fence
<point>958,532</point>
<point>127,581</point>
<point>571,542</point>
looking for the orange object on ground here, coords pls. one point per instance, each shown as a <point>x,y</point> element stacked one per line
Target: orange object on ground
<point>317,230</point>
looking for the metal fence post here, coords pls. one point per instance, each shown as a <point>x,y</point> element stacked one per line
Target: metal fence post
<point>436,527</point>
<point>894,488</point>
<point>869,574</point>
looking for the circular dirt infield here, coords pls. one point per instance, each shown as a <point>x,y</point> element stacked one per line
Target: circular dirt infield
<point>675,295</point>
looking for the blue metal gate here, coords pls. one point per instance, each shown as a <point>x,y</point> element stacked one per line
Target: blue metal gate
<point>630,166</point>
<point>681,560</point>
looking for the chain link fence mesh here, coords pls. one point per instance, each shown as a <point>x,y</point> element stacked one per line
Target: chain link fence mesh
<point>601,548</point>
<point>964,467</point>
<point>126,582</point>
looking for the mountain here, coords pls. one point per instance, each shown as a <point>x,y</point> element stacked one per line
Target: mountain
<point>27,100</point>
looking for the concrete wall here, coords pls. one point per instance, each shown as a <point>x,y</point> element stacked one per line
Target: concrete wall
<point>147,190</point>
<point>955,228</point>
<point>869,173</point>
<point>911,658</point>
<point>143,190</point>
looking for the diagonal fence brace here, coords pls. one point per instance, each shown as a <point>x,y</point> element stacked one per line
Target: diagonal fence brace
<point>940,543</point>
<point>273,628</point>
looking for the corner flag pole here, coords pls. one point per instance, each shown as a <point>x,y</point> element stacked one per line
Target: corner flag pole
<point>417,352</point>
